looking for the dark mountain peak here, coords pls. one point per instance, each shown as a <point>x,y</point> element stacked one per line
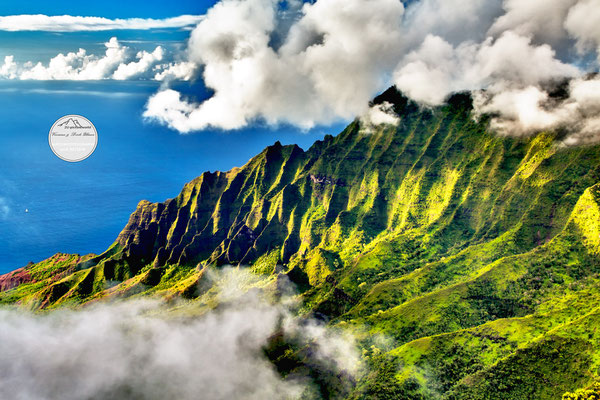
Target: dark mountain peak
<point>399,101</point>
<point>277,150</point>
<point>460,101</point>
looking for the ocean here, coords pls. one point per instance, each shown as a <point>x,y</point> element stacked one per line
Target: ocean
<point>48,205</point>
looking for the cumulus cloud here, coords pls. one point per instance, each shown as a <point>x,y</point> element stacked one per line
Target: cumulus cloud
<point>137,349</point>
<point>330,57</point>
<point>8,69</point>
<point>167,107</point>
<point>457,21</point>
<point>331,60</point>
<point>583,23</point>
<point>136,68</point>
<point>183,70</point>
<point>117,63</point>
<point>79,65</point>
<point>436,69</point>
<point>528,110</point>
<point>70,23</point>
<point>522,110</point>
<point>540,19</point>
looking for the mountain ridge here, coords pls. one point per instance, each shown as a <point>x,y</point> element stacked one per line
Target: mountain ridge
<point>435,232</point>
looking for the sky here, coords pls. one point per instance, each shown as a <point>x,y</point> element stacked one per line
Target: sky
<point>179,87</point>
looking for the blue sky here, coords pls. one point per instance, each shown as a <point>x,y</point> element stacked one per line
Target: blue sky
<point>41,46</point>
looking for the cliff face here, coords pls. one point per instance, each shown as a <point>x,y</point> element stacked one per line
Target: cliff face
<point>467,249</point>
<point>219,217</point>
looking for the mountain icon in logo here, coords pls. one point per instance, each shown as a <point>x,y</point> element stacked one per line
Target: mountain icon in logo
<point>71,123</point>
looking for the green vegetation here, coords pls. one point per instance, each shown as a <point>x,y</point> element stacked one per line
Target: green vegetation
<point>474,258</point>
<point>592,393</point>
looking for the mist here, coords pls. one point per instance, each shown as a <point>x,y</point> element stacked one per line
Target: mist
<point>148,349</point>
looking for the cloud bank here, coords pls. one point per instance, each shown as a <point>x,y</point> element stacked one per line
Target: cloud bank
<point>132,350</point>
<point>118,62</point>
<point>315,63</point>
<point>70,23</point>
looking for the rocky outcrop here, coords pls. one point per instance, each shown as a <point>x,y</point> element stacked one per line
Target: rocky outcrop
<point>14,278</point>
<point>325,180</point>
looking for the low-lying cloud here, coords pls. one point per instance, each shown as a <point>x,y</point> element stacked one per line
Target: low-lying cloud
<point>138,350</point>
<point>531,109</point>
<point>379,114</point>
<point>318,62</point>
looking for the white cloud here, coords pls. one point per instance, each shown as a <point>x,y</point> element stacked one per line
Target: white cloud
<point>528,110</point>
<point>183,70</point>
<point>541,19</point>
<point>69,23</point>
<point>583,23</point>
<point>456,21</point>
<point>80,65</point>
<point>436,69</point>
<point>380,114</point>
<point>136,349</point>
<point>137,68</point>
<point>521,111</point>
<point>167,107</point>
<point>9,68</point>
<point>319,62</point>
<point>333,58</point>
<point>116,63</point>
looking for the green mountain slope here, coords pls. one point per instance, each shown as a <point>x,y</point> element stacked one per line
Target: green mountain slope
<point>475,256</point>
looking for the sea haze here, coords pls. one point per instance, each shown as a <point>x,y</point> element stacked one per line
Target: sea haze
<point>81,207</point>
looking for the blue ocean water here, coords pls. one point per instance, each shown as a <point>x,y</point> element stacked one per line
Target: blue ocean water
<point>81,207</point>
